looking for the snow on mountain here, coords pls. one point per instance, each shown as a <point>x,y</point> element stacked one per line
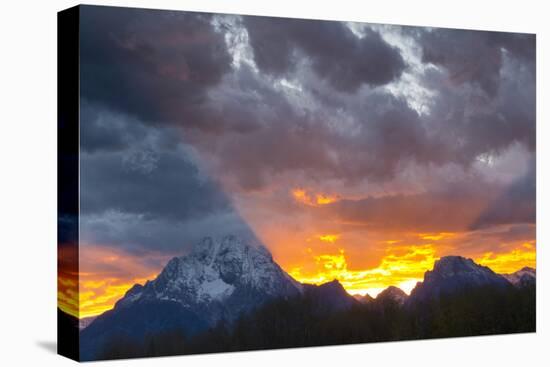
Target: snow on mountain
<point>454,273</point>
<point>521,278</point>
<point>85,322</point>
<point>217,280</point>
<point>215,271</point>
<point>367,298</point>
<point>221,280</point>
<point>393,294</point>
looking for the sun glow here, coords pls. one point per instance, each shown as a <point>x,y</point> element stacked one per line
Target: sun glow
<point>98,296</point>
<point>307,198</point>
<point>436,236</point>
<point>106,274</point>
<point>402,266</point>
<point>509,262</point>
<point>67,294</point>
<point>93,292</point>
<point>325,199</point>
<point>331,238</point>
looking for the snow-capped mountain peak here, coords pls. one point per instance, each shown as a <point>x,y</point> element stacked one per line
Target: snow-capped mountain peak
<point>392,293</point>
<point>454,273</point>
<point>523,277</point>
<point>213,272</point>
<point>450,266</point>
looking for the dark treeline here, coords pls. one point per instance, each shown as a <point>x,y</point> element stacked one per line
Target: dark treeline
<point>300,323</point>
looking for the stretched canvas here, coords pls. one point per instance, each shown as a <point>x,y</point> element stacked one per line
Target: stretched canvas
<point>233,183</point>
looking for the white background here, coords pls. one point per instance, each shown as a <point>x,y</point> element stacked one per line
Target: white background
<point>28,182</point>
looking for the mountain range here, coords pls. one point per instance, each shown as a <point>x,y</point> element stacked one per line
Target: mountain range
<point>220,282</point>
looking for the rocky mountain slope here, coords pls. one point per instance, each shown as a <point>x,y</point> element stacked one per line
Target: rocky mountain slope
<point>453,274</point>
<point>218,280</point>
<point>521,278</point>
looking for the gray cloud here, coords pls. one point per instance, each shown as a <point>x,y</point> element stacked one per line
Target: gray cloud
<point>471,123</point>
<point>102,129</point>
<point>142,189</point>
<point>155,65</point>
<point>139,235</point>
<point>161,103</point>
<point>517,204</point>
<point>474,56</point>
<point>335,52</point>
<point>172,187</point>
<point>452,208</point>
<point>297,132</point>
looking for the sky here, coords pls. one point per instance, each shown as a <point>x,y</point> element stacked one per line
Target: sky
<point>353,151</point>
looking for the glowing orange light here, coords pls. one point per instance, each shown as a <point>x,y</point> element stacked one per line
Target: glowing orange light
<point>301,196</point>
<point>91,293</point>
<point>401,266</point>
<point>331,238</point>
<point>304,197</point>
<point>509,262</point>
<point>98,296</point>
<point>391,242</point>
<point>67,294</point>
<point>436,236</point>
<point>325,199</point>
<point>99,289</point>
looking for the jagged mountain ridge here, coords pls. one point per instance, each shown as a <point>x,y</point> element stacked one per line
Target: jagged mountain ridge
<point>217,272</point>
<point>453,274</point>
<point>223,277</point>
<point>392,294</point>
<point>219,280</point>
<point>329,297</point>
<point>228,278</point>
<point>524,277</point>
<point>85,322</point>
<point>366,299</point>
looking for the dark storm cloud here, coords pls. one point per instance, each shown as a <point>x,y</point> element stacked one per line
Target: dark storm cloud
<point>158,86</point>
<point>495,239</point>
<point>104,130</point>
<point>391,132</point>
<point>460,205</point>
<point>67,230</point>
<point>335,52</point>
<point>521,232</point>
<point>148,182</point>
<point>517,204</point>
<point>244,119</point>
<point>450,209</point>
<point>471,124</point>
<point>475,56</point>
<point>384,130</point>
<point>293,135</point>
<point>141,188</point>
<point>154,65</point>
<point>140,235</point>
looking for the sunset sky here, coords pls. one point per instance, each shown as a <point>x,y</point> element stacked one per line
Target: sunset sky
<point>353,151</point>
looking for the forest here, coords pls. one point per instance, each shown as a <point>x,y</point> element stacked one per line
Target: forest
<point>301,322</point>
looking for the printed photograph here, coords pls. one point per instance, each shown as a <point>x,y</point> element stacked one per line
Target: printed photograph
<point>249,183</point>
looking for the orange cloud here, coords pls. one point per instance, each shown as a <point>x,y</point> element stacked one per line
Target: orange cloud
<point>509,262</point>
<point>436,236</point>
<point>67,279</point>
<point>108,273</point>
<point>98,296</point>
<point>325,199</point>
<point>304,197</point>
<point>329,238</point>
<point>67,294</point>
<point>401,266</point>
